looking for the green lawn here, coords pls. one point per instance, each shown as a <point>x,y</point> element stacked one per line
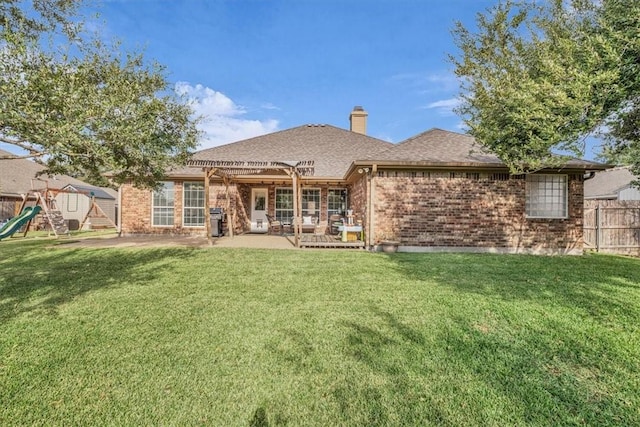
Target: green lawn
<point>256,337</point>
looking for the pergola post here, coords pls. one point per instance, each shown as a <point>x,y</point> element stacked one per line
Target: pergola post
<point>296,218</point>
<point>231,215</point>
<point>207,220</point>
<point>230,170</point>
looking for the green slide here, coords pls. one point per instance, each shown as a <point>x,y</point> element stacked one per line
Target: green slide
<point>17,222</point>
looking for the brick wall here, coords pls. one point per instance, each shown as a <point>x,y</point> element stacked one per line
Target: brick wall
<point>420,209</point>
<point>136,207</point>
<point>136,212</point>
<point>486,210</point>
<point>358,199</point>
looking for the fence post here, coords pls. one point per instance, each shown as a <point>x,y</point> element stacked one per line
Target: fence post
<point>598,227</point>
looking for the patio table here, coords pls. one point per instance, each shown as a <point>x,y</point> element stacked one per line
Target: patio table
<point>348,231</point>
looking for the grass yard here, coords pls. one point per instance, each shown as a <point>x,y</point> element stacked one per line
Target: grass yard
<point>256,338</point>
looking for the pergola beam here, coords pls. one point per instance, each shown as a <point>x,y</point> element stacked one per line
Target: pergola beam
<point>229,170</point>
<point>241,167</point>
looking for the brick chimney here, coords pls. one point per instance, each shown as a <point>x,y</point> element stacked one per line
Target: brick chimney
<point>358,120</point>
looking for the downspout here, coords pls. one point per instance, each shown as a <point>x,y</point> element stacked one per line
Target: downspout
<point>299,209</point>
<point>591,175</point>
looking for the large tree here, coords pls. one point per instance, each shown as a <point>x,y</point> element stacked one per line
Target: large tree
<point>538,78</point>
<point>82,107</point>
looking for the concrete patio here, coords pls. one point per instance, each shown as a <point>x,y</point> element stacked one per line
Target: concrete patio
<point>257,241</point>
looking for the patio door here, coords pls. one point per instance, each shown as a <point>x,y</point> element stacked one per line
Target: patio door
<point>259,203</point>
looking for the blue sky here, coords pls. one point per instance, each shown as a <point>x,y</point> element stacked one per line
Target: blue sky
<point>258,66</point>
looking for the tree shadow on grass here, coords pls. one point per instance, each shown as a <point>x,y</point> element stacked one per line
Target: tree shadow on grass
<point>551,372</point>
<point>259,418</point>
<point>37,279</point>
<point>391,352</point>
<point>455,374</point>
<point>599,285</point>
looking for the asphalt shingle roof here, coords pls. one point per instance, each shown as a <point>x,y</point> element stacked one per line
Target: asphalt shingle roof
<point>608,183</point>
<point>438,146</point>
<point>16,177</point>
<point>449,148</point>
<point>98,192</point>
<point>332,149</point>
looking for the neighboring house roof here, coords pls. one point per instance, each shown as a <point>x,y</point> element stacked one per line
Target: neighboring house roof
<point>330,148</point>
<point>18,176</point>
<point>607,184</point>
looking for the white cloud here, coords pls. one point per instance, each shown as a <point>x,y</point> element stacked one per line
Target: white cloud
<point>222,120</point>
<point>445,107</point>
<point>428,82</point>
<point>269,106</point>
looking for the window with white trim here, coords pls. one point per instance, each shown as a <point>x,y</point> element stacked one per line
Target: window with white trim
<point>284,204</point>
<point>163,205</point>
<point>311,202</point>
<point>546,196</point>
<point>193,204</point>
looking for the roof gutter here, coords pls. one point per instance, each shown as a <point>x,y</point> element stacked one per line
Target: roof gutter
<point>463,165</point>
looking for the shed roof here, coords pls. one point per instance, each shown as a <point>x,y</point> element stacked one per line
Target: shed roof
<point>89,190</point>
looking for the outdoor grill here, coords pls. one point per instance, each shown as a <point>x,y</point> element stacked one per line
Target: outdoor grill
<point>217,218</point>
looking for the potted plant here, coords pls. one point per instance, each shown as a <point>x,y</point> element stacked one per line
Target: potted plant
<point>388,244</point>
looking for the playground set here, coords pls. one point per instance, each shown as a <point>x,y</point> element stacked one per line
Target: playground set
<point>52,220</point>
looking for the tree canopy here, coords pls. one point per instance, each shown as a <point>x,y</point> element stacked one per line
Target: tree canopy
<point>539,78</point>
<point>81,107</point>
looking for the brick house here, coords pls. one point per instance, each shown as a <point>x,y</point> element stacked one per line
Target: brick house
<point>435,191</point>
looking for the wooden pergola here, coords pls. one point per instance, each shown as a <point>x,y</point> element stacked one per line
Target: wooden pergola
<point>231,171</point>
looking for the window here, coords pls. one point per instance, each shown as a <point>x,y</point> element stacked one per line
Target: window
<point>72,202</point>
<point>193,206</point>
<point>284,204</point>
<point>310,202</point>
<point>259,204</point>
<point>162,205</point>
<point>546,196</point>
<point>336,201</point>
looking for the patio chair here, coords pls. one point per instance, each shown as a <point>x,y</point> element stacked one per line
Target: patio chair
<point>309,224</point>
<point>275,226</point>
<point>335,221</point>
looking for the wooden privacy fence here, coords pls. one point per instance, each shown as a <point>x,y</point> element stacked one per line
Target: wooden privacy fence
<point>612,226</point>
